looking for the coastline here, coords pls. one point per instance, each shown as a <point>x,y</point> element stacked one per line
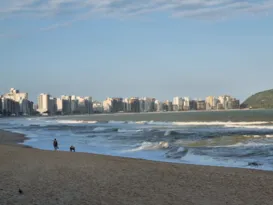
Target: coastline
<point>12,139</point>
<point>49,177</point>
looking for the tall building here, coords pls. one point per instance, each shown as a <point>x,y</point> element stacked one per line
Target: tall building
<point>233,103</point>
<point>177,104</point>
<point>59,105</point>
<point>126,105</point>
<point>159,106</point>
<point>169,105</point>
<point>193,105</point>
<point>210,103</point>
<point>66,104</point>
<point>97,107</point>
<point>107,105</point>
<point>74,104</point>
<point>52,106</point>
<point>30,107</point>
<point>141,105</point>
<point>89,104</point>
<point>227,102</point>
<point>134,105</point>
<point>82,105</point>
<point>43,103</point>
<point>21,99</point>
<point>24,107</point>
<point>117,105</point>
<point>186,103</point>
<point>16,95</point>
<point>10,107</point>
<point>149,104</point>
<point>201,105</point>
<point>35,107</point>
<point>82,109</point>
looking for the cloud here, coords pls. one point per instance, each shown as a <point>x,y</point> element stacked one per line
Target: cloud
<point>82,9</point>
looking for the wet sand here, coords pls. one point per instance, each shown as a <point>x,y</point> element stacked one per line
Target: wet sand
<point>53,178</point>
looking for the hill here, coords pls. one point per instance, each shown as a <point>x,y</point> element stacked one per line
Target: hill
<point>262,99</point>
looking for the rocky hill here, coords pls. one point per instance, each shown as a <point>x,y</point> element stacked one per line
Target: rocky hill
<point>262,99</point>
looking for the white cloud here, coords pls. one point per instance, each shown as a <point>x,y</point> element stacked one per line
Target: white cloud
<point>82,9</point>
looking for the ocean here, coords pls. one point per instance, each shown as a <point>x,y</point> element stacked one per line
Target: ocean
<point>242,138</point>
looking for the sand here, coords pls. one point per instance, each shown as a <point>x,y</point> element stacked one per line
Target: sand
<point>54,177</point>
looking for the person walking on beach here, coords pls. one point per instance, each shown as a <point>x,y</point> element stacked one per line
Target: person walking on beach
<point>55,144</point>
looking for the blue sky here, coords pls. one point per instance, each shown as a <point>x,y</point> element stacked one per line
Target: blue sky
<point>157,48</point>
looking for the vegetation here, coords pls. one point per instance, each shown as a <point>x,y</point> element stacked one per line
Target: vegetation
<point>262,99</point>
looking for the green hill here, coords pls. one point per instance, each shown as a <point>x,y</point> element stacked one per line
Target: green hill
<point>262,99</point>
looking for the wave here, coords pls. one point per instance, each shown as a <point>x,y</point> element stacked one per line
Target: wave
<point>170,132</point>
<point>111,129</point>
<point>128,131</point>
<point>151,146</point>
<point>192,123</point>
<point>100,129</point>
<point>76,122</point>
<point>249,127</point>
<point>258,136</point>
<point>138,122</point>
<point>215,123</point>
<point>116,122</point>
<point>105,129</point>
<point>248,144</point>
<point>176,153</point>
<point>230,124</point>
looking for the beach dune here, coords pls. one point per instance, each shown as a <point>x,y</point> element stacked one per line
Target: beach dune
<point>54,177</point>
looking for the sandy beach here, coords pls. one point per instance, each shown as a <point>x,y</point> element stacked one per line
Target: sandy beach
<point>53,178</point>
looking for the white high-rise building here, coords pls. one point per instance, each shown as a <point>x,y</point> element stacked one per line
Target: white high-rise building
<point>149,104</point>
<point>16,95</point>
<point>186,103</point>
<point>178,103</point>
<point>43,102</point>
<point>107,105</point>
<point>21,98</point>
<point>159,106</point>
<point>224,100</point>
<point>97,107</point>
<point>59,105</point>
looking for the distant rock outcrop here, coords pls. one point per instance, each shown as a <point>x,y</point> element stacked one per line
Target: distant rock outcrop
<point>262,99</point>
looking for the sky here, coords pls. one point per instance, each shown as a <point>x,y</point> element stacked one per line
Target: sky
<point>156,48</point>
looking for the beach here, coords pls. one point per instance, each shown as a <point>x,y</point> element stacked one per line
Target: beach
<point>49,177</point>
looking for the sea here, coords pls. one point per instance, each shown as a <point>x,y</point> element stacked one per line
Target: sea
<point>239,138</point>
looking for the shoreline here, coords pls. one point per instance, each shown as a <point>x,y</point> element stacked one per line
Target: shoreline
<point>60,177</point>
<point>17,139</point>
<point>13,139</point>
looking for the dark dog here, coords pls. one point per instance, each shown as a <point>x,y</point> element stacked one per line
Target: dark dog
<point>72,148</point>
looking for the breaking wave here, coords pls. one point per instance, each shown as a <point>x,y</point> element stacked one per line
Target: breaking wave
<point>193,123</point>
<point>129,131</point>
<point>75,122</point>
<point>151,146</point>
<point>176,153</point>
<point>249,126</point>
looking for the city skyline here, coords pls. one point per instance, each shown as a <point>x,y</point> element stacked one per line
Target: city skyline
<point>140,48</point>
<point>35,99</point>
<point>16,103</point>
